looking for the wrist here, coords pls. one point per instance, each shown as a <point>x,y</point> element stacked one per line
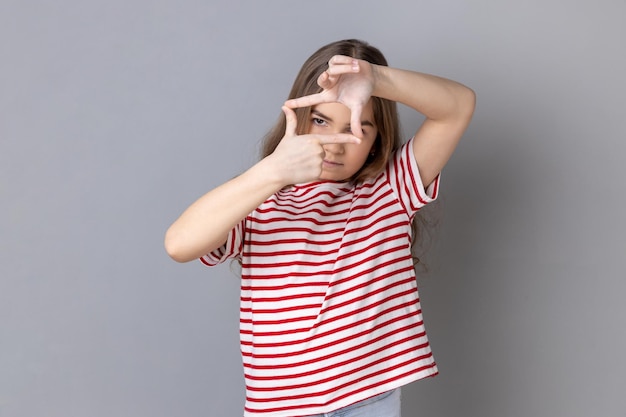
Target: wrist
<point>271,172</point>
<point>381,80</point>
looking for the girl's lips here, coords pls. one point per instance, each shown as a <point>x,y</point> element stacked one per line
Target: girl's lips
<point>331,163</point>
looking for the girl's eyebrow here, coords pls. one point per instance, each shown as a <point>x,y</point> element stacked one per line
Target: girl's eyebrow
<point>323,116</point>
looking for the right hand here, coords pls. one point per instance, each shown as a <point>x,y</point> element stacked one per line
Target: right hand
<point>299,158</point>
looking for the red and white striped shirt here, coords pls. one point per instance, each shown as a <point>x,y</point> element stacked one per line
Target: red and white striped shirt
<point>330,313</point>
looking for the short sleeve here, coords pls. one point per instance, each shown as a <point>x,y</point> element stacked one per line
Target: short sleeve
<point>405,180</point>
<point>231,249</point>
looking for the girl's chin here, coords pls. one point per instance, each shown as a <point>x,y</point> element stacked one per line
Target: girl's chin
<point>335,175</point>
<point>332,178</point>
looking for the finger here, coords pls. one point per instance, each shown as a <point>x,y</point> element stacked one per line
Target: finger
<point>336,70</point>
<point>338,138</point>
<point>329,78</point>
<point>306,101</point>
<point>342,65</point>
<point>292,121</point>
<point>342,60</point>
<point>355,121</point>
<point>326,81</point>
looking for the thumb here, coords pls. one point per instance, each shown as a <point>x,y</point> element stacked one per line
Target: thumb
<point>355,122</point>
<point>292,121</point>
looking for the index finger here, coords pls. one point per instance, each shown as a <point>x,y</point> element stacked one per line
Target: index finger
<point>290,121</point>
<point>306,101</point>
<point>338,138</point>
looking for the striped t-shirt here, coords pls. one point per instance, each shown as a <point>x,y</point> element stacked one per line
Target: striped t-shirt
<point>330,313</point>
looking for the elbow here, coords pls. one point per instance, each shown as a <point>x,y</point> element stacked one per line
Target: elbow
<point>178,257</point>
<point>461,105</point>
<point>175,248</point>
<point>468,103</point>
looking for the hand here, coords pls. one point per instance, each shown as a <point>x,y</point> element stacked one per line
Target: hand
<point>299,158</point>
<point>348,81</point>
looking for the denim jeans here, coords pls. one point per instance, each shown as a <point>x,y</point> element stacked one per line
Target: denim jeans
<point>386,404</point>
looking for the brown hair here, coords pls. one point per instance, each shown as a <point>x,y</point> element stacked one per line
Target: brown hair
<point>385,118</point>
<point>385,111</point>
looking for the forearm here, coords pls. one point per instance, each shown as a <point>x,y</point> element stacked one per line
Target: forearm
<point>437,98</point>
<point>447,105</point>
<point>205,225</point>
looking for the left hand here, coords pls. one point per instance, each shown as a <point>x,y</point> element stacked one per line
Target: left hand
<point>348,81</point>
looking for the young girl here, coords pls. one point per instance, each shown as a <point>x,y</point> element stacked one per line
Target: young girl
<point>330,316</point>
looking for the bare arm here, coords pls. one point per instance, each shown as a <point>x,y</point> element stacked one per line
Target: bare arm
<point>447,105</point>
<point>204,226</point>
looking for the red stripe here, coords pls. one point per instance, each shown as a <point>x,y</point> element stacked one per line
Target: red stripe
<point>292,275</point>
<point>304,225</point>
<point>287,253</point>
<point>306,329</point>
<point>284,287</point>
<point>330,262</point>
<point>317,305</point>
<point>373,268</point>
<point>376,210</point>
<point>275,265</point>
<point>307,201</point>
<point>392,238</point>
<point>367,204</point>
<point>436,187</point>
<point>395,225</point>
<point>280,212</point>
<point>368,294</point>
<point>338,366</point>
<point>340,353</point>
<point>351,383</point>
<point>341,397</point>
<point>288,241</point>
<point>331,331</point>
<point>273,322</point>
<point>280,310</point>
<point>372,232</point>
<point>338,342</point>
<point>282,298</point>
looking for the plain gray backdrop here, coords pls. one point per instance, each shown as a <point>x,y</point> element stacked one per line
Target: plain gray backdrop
<point>115,115</point>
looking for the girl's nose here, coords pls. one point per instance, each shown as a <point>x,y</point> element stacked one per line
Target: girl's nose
<point>336,148</point>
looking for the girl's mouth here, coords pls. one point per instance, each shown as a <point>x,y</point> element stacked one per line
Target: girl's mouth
<point>331,163</point>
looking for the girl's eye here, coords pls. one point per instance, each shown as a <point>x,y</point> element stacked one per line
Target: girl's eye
<point>349,131</point>
<point>319,122</point>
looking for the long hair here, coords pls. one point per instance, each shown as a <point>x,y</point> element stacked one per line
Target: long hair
<point>385,111</point>
<point>385,118</point>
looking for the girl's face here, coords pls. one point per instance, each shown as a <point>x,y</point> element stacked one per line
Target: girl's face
<point>342,160</point>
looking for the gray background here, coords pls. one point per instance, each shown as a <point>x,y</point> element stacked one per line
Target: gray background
<point>114,115</point>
